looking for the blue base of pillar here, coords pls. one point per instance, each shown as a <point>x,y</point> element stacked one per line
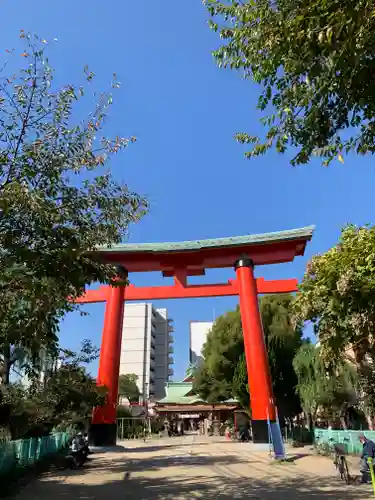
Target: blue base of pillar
<point>269,433</point>
<point>277,440</point>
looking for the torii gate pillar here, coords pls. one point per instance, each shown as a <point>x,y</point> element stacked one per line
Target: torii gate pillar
<point>103,429</point>
<point>258,372</point>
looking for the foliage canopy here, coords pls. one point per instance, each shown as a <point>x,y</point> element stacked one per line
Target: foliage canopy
<point>315,63</point>
<point>58,201</point>
<point>319,390</point>
<point>127,386</point>
<point>223,373</point>
<point>64,397</point>
<point>337,294</point>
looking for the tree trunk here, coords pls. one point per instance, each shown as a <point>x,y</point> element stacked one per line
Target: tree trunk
<point>370,422</point>
<point>309,422</point>
<point>5,372</point>
<point>343,422</point>
<point>343,412</point>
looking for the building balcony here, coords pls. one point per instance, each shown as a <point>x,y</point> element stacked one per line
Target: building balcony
<point>170,349</point>
<point>170,360</point>
<point>170,328</point>
<point>170,339</point>
<point>170,372</point>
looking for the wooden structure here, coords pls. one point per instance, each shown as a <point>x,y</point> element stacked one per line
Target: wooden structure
<point>191,258</point>
<point>181,404</point>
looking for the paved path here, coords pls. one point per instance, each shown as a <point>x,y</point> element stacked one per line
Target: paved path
<point>192,467</point>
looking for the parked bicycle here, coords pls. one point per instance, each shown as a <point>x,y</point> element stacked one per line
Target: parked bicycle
<point>339,460</point>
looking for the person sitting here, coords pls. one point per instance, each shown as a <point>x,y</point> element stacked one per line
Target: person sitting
<point>368,451</point>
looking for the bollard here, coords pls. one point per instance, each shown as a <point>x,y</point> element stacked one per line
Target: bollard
<point>371,464</point>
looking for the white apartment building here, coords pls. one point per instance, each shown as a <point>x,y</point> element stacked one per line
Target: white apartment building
<point>198,335</point>
<point>146,348</point>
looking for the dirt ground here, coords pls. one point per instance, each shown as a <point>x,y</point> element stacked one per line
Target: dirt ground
<point>194,467</point>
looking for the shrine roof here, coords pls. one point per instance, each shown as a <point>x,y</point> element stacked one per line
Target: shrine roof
<point>180,393</point>
<point>304,233</point>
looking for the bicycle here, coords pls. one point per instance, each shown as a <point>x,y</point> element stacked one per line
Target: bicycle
<point>340,462</point>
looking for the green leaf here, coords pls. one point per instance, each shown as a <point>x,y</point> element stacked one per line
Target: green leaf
<point>315,74</point>
<point>56,205</point>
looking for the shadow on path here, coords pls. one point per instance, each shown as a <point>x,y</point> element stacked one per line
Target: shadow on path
<point>186,477</point>
<point>178,488</point>
<point>103,466</point>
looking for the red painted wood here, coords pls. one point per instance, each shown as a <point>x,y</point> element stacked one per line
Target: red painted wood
<point>262,404</point>
<point>189,263</point>
<point>109,363</point>
<point>207,258</point>
<point>179,291</point>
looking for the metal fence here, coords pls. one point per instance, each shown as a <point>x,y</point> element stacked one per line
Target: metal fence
<point>130,427</point>
<point>28,451</point>
<point>299,434</point>
<point>348,439</point>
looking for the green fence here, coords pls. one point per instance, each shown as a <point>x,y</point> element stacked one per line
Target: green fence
<point>348,439</point>
<point>28,451</point>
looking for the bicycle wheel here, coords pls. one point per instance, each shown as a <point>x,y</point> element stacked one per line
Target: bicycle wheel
<point>344,471</point>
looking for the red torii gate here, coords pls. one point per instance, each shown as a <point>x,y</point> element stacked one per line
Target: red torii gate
<point>191,258</point>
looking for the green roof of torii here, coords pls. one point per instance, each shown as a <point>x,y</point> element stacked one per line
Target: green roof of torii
<point>304,233</point>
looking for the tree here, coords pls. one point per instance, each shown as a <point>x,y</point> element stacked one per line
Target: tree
<point>70,393</point>
<point>366,390</point>
<point>221,352</point>
<point>337,294</point>
<point>191,370</point>
<point>314,62</point>
<point>64,398</point>
<point>311,380</point>
<point>58,202</point>
<point>223,373</point>
<point>283,339</point>
<point>321,391</point>
<point>240,384</point>
<point>128,387</point>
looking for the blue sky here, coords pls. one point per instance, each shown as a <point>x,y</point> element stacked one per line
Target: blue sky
<point>184,112</point>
